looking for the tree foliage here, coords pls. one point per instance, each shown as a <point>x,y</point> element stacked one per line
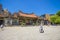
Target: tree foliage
<point>55,18</point>
<point>57,21</point>
<point>58,13</point>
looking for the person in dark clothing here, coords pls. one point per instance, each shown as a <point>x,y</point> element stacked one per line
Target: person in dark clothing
<point>1,25</point>
<point>41,29</point>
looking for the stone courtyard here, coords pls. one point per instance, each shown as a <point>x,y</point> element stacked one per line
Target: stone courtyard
<point>30,33</point>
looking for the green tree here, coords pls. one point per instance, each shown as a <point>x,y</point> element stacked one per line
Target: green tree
<point>58,13</point>
<point>57,21</point>
<point>53,18</point>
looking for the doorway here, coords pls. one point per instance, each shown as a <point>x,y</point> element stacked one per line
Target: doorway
<point>1,22</point>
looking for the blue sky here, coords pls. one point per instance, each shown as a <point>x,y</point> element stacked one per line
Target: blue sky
<point>39,7</point>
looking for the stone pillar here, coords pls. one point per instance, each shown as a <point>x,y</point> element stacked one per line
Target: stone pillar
<point>42,22</point>
<point>11,22</point>
<point>5,22</point>
<point>18,22</point>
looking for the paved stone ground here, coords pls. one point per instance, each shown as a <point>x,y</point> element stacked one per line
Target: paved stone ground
<point>30,33</point>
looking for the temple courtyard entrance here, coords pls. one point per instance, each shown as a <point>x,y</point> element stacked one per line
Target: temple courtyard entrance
<point>30,33</point>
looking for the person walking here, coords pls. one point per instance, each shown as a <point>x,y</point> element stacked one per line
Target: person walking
<point>1,26</point>
<point>41,28</point>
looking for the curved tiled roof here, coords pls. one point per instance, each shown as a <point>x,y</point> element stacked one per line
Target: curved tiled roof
<point>15,15</point>
<point>27,15</point>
